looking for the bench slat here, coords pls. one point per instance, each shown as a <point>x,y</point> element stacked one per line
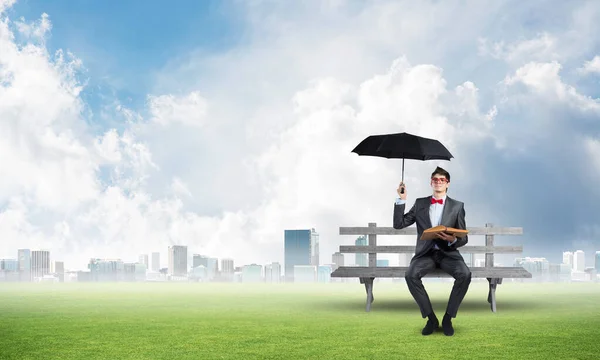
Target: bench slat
<point>399,271</point>
<point>412,230</point>
<point>411,249</point>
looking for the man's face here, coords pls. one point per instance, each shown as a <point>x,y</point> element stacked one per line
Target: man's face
<point>439,183</point>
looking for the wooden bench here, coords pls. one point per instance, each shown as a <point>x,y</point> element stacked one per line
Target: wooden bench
<point>367,274</point>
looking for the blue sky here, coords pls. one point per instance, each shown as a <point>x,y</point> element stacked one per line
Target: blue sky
<point>123,44</point>
<point>220,124</point>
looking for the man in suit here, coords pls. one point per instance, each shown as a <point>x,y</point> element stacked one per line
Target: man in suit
<point>442,252</point>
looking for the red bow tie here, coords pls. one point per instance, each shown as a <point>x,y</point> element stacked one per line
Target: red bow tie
<point>440,201</point>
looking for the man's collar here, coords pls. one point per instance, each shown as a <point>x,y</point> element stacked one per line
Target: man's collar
<point>443,197</point>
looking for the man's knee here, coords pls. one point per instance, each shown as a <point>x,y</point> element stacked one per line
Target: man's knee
<point>463,275</point>
<point>412,275</point>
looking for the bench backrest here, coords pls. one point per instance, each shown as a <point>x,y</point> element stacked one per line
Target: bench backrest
<point>372,249</point>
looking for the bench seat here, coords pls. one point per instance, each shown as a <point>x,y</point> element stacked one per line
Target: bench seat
<point>367,274</point>
<point>399,271</point>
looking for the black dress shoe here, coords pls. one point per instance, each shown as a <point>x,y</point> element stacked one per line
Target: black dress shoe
<point>430,327</point>
<point>447,327</point>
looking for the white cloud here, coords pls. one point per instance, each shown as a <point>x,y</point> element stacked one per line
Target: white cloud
<point>5,4</point>
<point>273,152</point>
<point>592,146</point>
<point>189,110</point>
<point>591,66</point>
<point>542,47</point>
<point>544,80</point>
<point>36,31</point>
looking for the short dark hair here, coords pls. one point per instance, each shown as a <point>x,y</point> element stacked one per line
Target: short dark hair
<point>439,171</point>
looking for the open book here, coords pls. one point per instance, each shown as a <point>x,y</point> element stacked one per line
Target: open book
<point>431,233</point>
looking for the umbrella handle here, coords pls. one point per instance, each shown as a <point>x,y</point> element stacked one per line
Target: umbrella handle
<point>402,190</point>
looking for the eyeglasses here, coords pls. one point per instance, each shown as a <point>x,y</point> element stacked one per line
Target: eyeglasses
<point>439,180</point>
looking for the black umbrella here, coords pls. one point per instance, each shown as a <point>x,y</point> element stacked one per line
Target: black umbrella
<point>402,146</point>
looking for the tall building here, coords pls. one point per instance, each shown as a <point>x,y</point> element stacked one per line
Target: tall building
<point>227,266</point>
<point>40,263</point>
<point>9,270</point>
<point>597,261</point>
<point>24,259</point>
<point>212,268</point>
<point>106,270</point>
<point>155,261</point>
<point>144,260</point>
<point>11,265</point>
<point>273,272</point>
<point>198,260</point>
<point>59,270</point>
<point>337,259</point>
<point>314,248</point>
<point>361,258</point>
<point>324,273</point>
<point>177,260</point>
<point>579,261</point>
<point>297,251</point>
<point>568,258</point>
<point>538,267</point>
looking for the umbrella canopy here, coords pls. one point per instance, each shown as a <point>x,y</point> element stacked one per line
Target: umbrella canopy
<point>402,146</point>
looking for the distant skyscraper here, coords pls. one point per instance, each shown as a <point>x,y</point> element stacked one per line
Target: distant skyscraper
<point>212,267</point>
<point>11,265</point>
<point>198,260</point>
<point>314,247</point>
<point>273,272</point>
<point>297,251</point>
<point>361,258</point>
<point>40,263</point>
<point>252,273</point>
<point>178,260</point>
<point>227,266</point>
<point>568,258</point>
<point>337,259</point>
<point>597,261</point>
<point>106,270</point>
<point>155,261</point>
<point>324,273</point>
<point>579,261</point>
<point>144,260</point>
<point>59,270</point>
<point>24,259</point>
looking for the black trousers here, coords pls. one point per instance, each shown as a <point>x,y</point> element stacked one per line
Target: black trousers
<point>453,264</point>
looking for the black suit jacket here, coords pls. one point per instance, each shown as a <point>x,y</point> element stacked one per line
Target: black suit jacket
<point>453,215</point>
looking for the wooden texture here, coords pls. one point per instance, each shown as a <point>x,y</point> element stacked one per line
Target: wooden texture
<point>413,231</point>
<point>399,271</point>
<point>396,249</point>
<point>489,241</point>
<point>373,243</point>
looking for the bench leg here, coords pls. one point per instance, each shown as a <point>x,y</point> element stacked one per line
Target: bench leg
<point>492,293</point>
<point>369,288</point>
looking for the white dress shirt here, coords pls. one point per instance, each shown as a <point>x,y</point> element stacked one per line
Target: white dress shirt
<point>435,214</point>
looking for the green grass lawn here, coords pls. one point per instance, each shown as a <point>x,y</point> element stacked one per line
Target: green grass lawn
<point>291,321</point>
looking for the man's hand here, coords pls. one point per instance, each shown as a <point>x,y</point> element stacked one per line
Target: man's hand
<point>447,237</point>
<point>400,187</point>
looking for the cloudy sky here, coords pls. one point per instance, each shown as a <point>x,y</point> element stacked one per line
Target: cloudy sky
<point>127,128</point>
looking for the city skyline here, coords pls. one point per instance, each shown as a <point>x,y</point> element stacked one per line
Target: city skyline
<point>301,264</point>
